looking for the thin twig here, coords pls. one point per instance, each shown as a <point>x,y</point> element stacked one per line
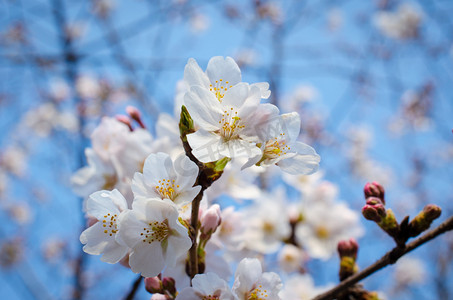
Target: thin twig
<point>389,258</point>
<point>134,288</point>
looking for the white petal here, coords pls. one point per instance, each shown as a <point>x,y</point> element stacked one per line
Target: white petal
<point>239,148</point>
<point>247,273</point>
<point>194,75</point>
<point>147,259</point>
<point>100,203</point>
<point>204,108</point>
<point>205,145</point>
<point>130,227</point>
<point>225,69</point>
<point>264,89</point>
<point>236,96</point>
<point>306,161</point>
<point>186,171</point>
<point>291,125</point>
<point>114,252</point>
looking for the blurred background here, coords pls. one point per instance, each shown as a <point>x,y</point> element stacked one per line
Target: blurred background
<point>372,81</point>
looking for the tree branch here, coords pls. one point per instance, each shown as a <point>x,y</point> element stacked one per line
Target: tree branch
<point>134,288</point>
<point>389,258</point>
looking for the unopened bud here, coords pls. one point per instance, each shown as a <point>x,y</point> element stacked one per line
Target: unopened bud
<point>211,219</point>
<point>347,267</point>
<point>169,285</point>
<point>423,220</point>
<point>135,115</point>
<point>185,124</point>
<point>153,285</point>
<point>374,212</point>
<point>125,120</point>
<point>389,224</point>
<point>348,248</point>
<point>161,297</point>
<point>374,189</point>
<point>374,201</point>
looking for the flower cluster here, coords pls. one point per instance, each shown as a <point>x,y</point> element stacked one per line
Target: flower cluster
<point>159,211</point>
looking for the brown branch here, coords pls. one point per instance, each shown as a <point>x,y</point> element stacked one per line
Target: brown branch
<point>134,288</point>
<point>389,258</point>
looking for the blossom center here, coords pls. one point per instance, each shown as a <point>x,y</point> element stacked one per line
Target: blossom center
<point>230,124</point>
<point>258,294</point>
<point>167,188</point>
<point>210,297</point>
<point>219,88</point>
<point>109,182</point>
<point>322,232</point>
<point>156,232</point>
<point>109,224</point>
<point>276,147</point>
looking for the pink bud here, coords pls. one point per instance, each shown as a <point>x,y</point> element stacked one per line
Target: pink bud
<point>211,219</point>
<point>374,212</point>
<point>373,201</point>
<point>125,120</point>
<point>169,285</point>
<point>348,248</point>
<point>374,189</point>
<point>153,285</point>
<point>135,115</point>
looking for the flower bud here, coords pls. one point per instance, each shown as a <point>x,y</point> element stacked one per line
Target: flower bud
<point>153,285</point>
<point>348,248</point>
<point>169,285</point>
<point>389,224</point>
<point>423,220</point>
<point>135,115</point>
<point>347,267</point>
<point>374,189</point>
<point>374,212</point>
<point>125,120</point>
<point>185,124</point>
<point>211,219</point>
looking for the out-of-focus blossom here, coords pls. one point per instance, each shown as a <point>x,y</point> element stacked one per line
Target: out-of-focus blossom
<point>11,252</point>
<point>59,89</point>
<point>403,24</point>
<point>301,287</point>
<point>14,159</point>
<point>291,259</point>
<point>324,225</point>
<point>267,223</point>
<point>409,271</point>
<point>271,11</point>
<point>53,249</point>
<point>246,57</point>
<point>21,213</point>
<point>199,23</point>
<point>334,19</point>
<point>103,7</point>
<point>87,87</point>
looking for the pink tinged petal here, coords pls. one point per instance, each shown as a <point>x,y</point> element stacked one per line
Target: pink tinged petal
<point>204,108</point>
<point>225,69</point>
<point>208,283</point>
<point>252,161</point>
<point>147,259</point>
<point>194,75</point>
<point>236,96</point>
<point>205,145</point>
<point>264,89</point>
<point>260,122</point>
<point>158,210</point>
<point>306,161</point>
<point>100,203</point>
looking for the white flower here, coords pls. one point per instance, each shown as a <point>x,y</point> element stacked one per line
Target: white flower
<point>100,238</point>
<point>324,225</point>
<point>267,224</point>
<point>402,24</point>
<point>301,287</point>
<point>251,283</point>
<point>278,142</point>
<point>291,258</point>
<point>206,286</point>
<point>221,75</point>
<point>410,271</point>
<point>154,234</point>
<point>227,128</point>
<point>165,179</point>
